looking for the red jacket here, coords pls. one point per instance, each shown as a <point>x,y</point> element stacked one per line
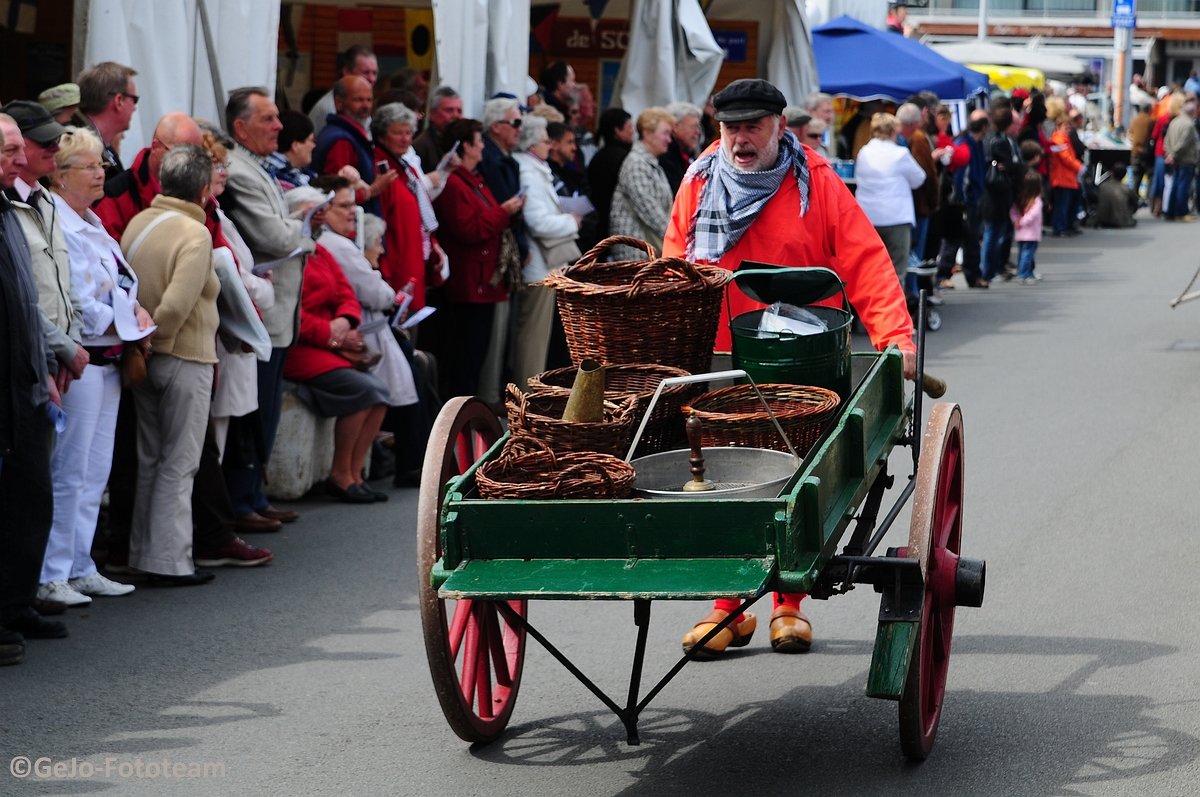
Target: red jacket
<point>835,233</point>
<point>127,194</point>
<point>403,257</point>
<point>469,225</point>
<point>326,295</point>
<point>1064,166</point>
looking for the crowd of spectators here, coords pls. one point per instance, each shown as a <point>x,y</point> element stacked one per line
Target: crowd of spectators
<point>156,314</point>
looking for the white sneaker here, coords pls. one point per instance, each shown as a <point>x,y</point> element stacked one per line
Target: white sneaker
<point>62,592</point>
<point>96,584</point>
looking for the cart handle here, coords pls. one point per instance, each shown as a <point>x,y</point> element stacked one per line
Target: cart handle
<point>686,380</point>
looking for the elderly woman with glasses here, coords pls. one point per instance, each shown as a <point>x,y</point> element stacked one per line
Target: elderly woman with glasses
<point>107,290</point>
<point>327,381</point>
<point>411,255</point>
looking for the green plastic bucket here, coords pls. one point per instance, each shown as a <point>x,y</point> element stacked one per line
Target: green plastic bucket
<point>822,359</point>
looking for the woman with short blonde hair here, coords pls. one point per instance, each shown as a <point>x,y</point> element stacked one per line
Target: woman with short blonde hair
<point>884,125</point>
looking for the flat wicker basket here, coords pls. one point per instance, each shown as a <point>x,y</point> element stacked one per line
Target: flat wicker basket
<point>733,416</point>
<point>665,430</point>
<point>529,469</point>
<point>539,416</point>
<point>661,310</point>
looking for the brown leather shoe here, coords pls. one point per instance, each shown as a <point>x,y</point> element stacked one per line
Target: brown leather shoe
<point>791,632</point>
<point>282,515</point>
<point>256,522</point>
<point>47,608</point>
<point>734,635</point>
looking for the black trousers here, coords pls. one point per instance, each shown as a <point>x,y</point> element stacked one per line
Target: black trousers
<point>26,509</point>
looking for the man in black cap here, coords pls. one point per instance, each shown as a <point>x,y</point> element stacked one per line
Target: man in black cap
<point>62,320</point>
<point>759,194</point>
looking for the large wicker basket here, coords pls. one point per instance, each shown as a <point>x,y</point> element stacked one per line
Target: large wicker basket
<point>530,470</point>
<point>665,430</point>
<point>538,415</point>
<point>662,310</point>
<point>734,416</point>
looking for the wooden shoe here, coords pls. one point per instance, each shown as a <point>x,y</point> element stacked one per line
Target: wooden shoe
<point>791,632</point>
<point>734,635</point>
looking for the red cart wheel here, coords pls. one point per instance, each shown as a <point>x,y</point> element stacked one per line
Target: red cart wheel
<point>935,538</point>
<point>475,657</point>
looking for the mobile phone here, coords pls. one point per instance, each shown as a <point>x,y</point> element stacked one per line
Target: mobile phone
<point>521,194</point>
<point>381,167</point>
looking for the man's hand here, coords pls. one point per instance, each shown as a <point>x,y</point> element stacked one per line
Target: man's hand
<point>78,363</point>
<point>512,206</point>
<point>910,364</point>
<point>55,396</point>
<point>62,380</point>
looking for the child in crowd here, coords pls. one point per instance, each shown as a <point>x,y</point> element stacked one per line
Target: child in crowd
<point>1026,214</point>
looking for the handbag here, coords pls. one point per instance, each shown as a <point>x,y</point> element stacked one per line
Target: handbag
<point>133,366</point>
<point>362,360</point>
<point>559,252</point>
<point>508,267</point>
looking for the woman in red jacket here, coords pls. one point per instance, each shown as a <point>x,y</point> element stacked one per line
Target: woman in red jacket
<point>326,381</point>
<point>471,222</point>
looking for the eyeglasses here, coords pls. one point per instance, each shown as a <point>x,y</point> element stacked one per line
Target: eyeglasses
<point>513,123</point>
<point>128,96</point>
<point>87,167</point>
<point>813,136</point>
<point>223,166</point>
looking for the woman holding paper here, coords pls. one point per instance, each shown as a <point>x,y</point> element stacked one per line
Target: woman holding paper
<point>378,299</point>
<point>112,319</point>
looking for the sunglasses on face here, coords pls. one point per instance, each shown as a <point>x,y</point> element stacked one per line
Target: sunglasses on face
<point>513,123</point>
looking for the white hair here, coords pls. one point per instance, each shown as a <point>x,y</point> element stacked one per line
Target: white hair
<point>532,129</point>
<point>682,110</point>
<point>909,114</point>
<point>495,110</point>
<point>373,228</point>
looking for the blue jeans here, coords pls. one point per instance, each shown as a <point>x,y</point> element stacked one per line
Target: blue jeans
<point>1181,192</point>
<point>997,237</point>
<point>1159,180</point>
<point>920,236</point>
<point>1025,254</point>
<point>1063,202</point>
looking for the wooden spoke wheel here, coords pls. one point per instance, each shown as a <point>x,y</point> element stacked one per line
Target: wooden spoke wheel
<point>475,654</point>
<point>935,538</point>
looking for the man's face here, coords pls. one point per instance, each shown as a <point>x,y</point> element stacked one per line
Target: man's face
<point>753,145</point>
<point>566,89</point>
<point>127,104</point>
<point>448,109</point>
<point>687,132</point>
<point>504,133</point>
<point>357,103</point>
<point>366,67</point>
<point>40,160</point>
<point>824,110</point>
<point>12,155</point>
<point>907,129</point>
<point>563,150</point>
<point>260,132</point>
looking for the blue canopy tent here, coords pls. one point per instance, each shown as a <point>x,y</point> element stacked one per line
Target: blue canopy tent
<point>856,60</point>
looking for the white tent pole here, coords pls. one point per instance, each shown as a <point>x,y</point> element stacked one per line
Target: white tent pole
<point>213,64</point>
<point>982,35</point>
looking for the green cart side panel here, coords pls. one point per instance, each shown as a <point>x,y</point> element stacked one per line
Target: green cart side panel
<point>890,660</point>
<point>609,579</point>
<point>640,528</point>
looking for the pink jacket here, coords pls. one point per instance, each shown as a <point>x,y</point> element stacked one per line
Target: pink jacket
<point>1028,225</point>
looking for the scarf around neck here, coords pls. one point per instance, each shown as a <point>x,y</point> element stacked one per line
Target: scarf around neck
<point>730,199</point>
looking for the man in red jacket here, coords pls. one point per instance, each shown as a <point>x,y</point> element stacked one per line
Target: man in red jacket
<point>759,194</point>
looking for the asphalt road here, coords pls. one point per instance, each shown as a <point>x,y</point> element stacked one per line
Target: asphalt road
<point>1077,677</point>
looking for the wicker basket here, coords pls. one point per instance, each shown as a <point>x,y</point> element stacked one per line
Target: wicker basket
<point>539,416</point>
<point>734,416</point>
<point>664,310</point>
<point>664,431</point>
<point>529,469</point>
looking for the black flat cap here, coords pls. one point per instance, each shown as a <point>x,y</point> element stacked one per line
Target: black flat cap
<point>35,122</point>
<point>748,99</point>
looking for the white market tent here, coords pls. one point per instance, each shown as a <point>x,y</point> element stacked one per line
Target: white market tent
<point>1029,57</point>
<point>190,53</point>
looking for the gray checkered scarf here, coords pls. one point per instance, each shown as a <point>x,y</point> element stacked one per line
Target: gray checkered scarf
<point>731,200</point>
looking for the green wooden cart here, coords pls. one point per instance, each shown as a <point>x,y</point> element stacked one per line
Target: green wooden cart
<point>482,561</point>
